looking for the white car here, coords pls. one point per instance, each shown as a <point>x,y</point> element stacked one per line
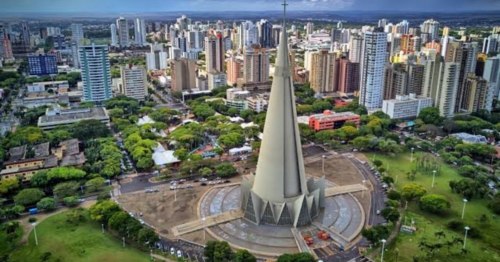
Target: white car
<point>172,251</point>
<point>142,221</point>
<point>179,254</point>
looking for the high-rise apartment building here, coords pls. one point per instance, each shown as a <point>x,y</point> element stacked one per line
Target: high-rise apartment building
<point>251,35</point>
<point>430,27</point>
<point>74,55</point>
<point>96,74</point>
<point>355,46</point>
<point>216,79</point>
<point>134,81</point>
<point>395,81</point>
<point>256,64</point>
<point>77,33</point>
<point>183,22</point>
<point>477,94</point>
<point>157,60</point>
<point>25,35</point>
<point>276,31</point>
<point>233,67</point>
<point>491,72</point>
<point>40,65</point>
<point>382,22</point>
<point>214,53</point>
<point>372,65</point>
<point>123,33</point>
<point>324,72</point>
<point>114,40</point>
<point>416,73</point>
<point>309,28</point>
<point>490,44</point>
<point>348,76</point>
<point>183,72</point>
<point>140,32</point>
<point>265,33</point>
<point>447,88</point>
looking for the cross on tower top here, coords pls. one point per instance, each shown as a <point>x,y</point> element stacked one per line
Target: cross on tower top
<point>284,11</point>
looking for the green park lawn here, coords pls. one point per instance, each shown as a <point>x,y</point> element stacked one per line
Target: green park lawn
<point>82,242</point>
<point>398,166</point>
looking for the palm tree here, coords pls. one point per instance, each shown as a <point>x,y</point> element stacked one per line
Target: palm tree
<point>11,227</point>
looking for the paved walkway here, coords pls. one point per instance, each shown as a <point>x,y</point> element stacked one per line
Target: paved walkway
<point>209,221</point>
<point>339,190</point>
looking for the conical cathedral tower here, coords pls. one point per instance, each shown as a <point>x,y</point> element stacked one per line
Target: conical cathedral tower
<point>278,193</point>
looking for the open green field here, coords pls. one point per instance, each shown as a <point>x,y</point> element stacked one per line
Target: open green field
<point>82,242</point>
<point>398,167</point>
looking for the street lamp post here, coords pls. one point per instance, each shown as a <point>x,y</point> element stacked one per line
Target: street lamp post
<point>411,158</point>
<point>102,227</point>
<point>123,241</point>
<point>433,177</point>
<point>383,247</point>
<point>463,209</point>
<point>34,229</point>
<point>465,238</point>
<point>323,164</point>
<point>204,230</point>
<point>175,194</point>
<point>363,192</point>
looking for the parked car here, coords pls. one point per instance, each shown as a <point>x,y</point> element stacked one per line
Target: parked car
<point>189,186</point>
<point>179,254</point>
<point>203,184</point>
<point>172,251</point>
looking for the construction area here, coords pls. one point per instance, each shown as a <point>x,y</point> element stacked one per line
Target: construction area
<point>216,209</point>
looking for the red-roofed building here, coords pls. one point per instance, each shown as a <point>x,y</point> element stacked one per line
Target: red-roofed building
<point>331,120</point>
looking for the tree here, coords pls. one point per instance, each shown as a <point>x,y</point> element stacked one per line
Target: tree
<point>243,255</point>
<point>66,189</point>
<point>434,203</point>
<point>102,211</point>
<point>118,221</point>
<point>394,195</point>
<point>181,154</point>
<point>232,139</point>
<point>361,142</point>
<point>378,163</point>
<point>205,171</point>
<point>70,201</point>
<point>233,111</point>
<point>89,129</point>
<point>28,196</point>
<point>218,150</point>
<point>8,185</point>
<point>393,203</point>
<point>390,214</point>
<point>350,132</point>
<point>375,234</point>
<point>225,170</point>
<point>297,257</point>
<point>216,251</point>
<point>147,235</point>
<point>47,204</point>
<point>412,191</point>
<point>116,113</point>
<point>144,163</point>
<point>494,206</point>
<point>95,183</point>
<point>321,105</point>
<point>388,180</point>
<point>430,115</point>
<point>14,212</point>
<point>247,114</point>
<point>203,111</point>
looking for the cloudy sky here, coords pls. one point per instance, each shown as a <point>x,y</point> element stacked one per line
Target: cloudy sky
<point>117,6</point>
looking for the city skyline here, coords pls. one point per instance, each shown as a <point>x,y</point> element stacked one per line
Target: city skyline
<point>115,6</point>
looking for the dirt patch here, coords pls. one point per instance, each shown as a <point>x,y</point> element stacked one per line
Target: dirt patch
<point>160,210</point>
<point>338,170</point>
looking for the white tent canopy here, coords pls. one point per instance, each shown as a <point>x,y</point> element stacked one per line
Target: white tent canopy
<point>240,150</point>
<point>163,157</point>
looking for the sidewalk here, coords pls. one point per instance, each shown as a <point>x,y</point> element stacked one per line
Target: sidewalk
<point>162,258</point>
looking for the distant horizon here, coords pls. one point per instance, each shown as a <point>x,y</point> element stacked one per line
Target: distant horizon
<point>146,6</point>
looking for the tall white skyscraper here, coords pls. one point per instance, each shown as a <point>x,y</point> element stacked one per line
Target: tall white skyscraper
<point>123,36</point>
<point>447,88</point>
<point>382,23</point>
<point>374,49</point>
<point>77,33</point>
<point>490,44</point>
<point>309,28</point>
<point>140,32</point>
<point>75,55</point>
<point>430,27</point>
<point>96,76</point>
<point>113,35</point>
<point>251,36</point>
<point>492,72</point>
